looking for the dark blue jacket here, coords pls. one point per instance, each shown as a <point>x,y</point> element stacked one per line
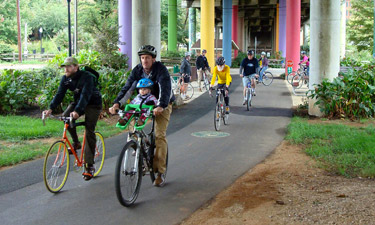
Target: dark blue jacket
<point>162,88</point>
<point>82,83</point>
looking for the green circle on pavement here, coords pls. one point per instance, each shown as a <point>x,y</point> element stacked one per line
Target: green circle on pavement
<point>210,134</point>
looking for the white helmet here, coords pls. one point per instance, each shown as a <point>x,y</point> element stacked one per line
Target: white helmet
<point>263,53</point>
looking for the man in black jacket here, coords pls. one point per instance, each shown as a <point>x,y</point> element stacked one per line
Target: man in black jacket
<point>202,67</point>
<point>158,73</point>
<point>87,101</point>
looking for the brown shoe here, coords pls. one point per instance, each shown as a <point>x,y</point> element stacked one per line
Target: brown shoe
<point>76,146</point>
<point>160,180</point>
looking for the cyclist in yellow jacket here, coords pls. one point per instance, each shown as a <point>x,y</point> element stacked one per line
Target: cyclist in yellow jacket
<point>222,72</point>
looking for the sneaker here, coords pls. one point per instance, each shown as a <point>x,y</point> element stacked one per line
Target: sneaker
<point>244,102</point>
<point>76,146</point>
<point>89,172</point>
<point>227,110</point>
<point>122,121</point>
<point>254,93</point>
<point>160,180</point>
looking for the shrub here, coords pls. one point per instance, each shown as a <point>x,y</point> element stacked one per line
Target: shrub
<point>348,96</point>
<point>4,48</point>
<point>237,61</point>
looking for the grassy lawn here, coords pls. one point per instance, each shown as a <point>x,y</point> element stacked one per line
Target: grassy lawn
<point>341,149</point>
<point>25,138</point>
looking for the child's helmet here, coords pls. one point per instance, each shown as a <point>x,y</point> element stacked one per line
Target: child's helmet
<point>145,83</point>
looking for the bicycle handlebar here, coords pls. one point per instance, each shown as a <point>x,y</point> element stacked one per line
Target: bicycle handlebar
<point>66,119</point>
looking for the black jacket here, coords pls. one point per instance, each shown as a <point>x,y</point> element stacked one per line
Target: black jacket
<point>185,67</point>
<point>82,83</point>
<point>162,88</point>
<point>202,62</point>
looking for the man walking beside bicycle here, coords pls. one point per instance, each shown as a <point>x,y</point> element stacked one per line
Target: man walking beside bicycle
<point>222,72</point>
<point>185,71</point>
<point>87,101</point>
<point>248,69</point>
<point>158,73</point>
<point>263,61</point>
<point>202,67</point>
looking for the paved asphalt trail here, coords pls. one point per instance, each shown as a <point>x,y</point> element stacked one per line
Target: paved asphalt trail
<point>199,168</point>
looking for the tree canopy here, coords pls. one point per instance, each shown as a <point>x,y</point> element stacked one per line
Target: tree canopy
<point>361,24</point>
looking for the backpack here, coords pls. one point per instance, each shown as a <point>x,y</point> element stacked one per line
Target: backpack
<point>93,73</point>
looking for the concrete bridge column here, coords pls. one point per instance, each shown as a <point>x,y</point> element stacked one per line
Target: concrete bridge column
<point>293,24</point>
<point>192,27</point>
<point>227,31</point>
<point>324,44</point>
<point>145,26</point>
<point>282,27</point>
<point>172,25</point>
<point>208,29</point>
<point>235,25</point>
<point>125,30</point>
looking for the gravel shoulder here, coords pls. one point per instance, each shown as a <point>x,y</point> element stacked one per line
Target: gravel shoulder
<point>290,188</point>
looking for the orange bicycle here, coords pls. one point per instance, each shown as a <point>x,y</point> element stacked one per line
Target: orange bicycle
<point>56,163</point>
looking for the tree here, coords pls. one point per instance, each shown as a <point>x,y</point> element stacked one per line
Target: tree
<point>182,23</point>
<point>8,24</point>
<point>361,24</point>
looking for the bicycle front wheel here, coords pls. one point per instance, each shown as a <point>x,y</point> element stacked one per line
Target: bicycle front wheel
<point>56,167</point>
<point>189,91</point>
<point>249,97</point>
<point>290,77</point>
<point>297,81</point>
<point>267,78</point>
<point>99,153</point>
<point>217,117</point>
<point>128,174</point>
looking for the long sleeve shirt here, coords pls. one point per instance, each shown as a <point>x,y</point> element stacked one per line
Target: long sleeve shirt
<point>223,76</point>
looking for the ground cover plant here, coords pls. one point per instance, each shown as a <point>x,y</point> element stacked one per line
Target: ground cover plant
<point>340,149</point>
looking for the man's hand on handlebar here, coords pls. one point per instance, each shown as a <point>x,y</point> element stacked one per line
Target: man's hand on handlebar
<point>158,111</point>
<point>74,115</point>
<point>114,108</point>
<point>241,75</point>
<point>47,112</point>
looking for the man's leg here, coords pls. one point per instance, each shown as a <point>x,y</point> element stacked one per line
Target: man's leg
<point>200,73</point>
<point>161,124</point>
<point>92,113</point>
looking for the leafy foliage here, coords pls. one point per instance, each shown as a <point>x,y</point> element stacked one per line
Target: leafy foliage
<point>237,61</point>
<point>361,24</point>
<point>348,96</point>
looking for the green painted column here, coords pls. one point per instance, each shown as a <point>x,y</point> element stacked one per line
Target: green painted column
<point>172,25</point>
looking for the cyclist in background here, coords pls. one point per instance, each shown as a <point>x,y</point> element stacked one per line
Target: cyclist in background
<point>185,71</point>
<point>248,68</point>
<point>222,72</point>
<point>305,62</point>
<point>202,67</point>
<point>263,61</point>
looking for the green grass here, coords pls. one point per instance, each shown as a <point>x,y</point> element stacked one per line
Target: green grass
<point>341,149</point>
<point>18,132</point>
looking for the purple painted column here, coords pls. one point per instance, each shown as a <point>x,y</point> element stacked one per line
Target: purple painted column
<point>125,30</point>
<point>282,27</point>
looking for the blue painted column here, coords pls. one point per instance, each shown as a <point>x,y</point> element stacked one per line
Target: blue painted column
<point>227,31</point>
<point>282,27</point>
<point>192,27</point>
<point>125,30</point>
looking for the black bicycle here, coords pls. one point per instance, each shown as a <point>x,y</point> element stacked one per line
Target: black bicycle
<point>136,158</point>
<point>219,112</point>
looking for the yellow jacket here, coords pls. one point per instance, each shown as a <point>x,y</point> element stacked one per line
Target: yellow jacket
<point>224,76</point>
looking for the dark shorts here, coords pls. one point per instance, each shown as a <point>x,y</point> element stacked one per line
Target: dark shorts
<point>186,79</point>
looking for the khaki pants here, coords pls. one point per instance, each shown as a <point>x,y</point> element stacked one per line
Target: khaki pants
<point>161,124</point>
<point>200,75</point>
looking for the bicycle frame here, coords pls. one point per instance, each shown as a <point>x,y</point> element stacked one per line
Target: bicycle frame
<point>65,139</point>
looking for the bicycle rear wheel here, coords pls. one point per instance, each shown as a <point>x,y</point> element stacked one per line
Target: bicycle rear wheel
<point>297,81</point>
<point>189,92</point>
<point>56,167</point>
<point>99,153</point>
<point>267,78</point>
<point>128,174</point>
<point>290,77</point>
<point>217,116</point>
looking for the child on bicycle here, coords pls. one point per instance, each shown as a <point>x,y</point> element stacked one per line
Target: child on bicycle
<point>263,63</point>
<point>145,97</point>
<point>222,72</point>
